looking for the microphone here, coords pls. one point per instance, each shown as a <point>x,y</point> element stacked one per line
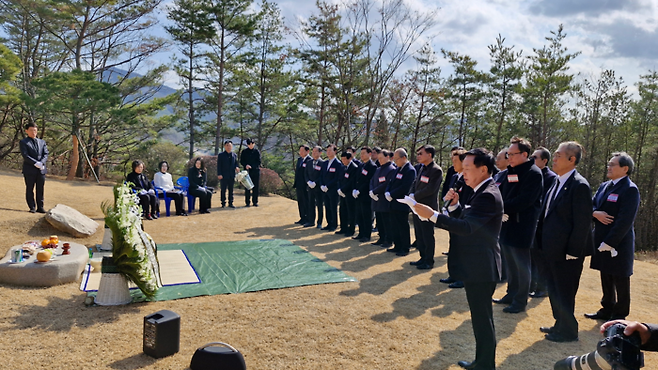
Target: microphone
<point>457,187</point>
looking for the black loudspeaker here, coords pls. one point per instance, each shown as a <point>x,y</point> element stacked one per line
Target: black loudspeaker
<point>217,356</point>
<point>161,334</point>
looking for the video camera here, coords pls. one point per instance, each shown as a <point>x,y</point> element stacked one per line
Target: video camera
<point>615,352</point>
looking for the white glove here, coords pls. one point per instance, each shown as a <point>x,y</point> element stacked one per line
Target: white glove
<point>570,257</point>
<point>388,196</point>
<point>340,192</point>
<point>505,217</point>
<point>412,196</point>
<point>311,184</point>
<point>355,193</point>
<point>373,196</point>
<point>604,248</point>
<point>151,191</point>
<point>324,188</point>
<point>142,192</point>
<point>38,165</point>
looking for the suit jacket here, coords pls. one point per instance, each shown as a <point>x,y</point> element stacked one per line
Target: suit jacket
<point>474,228</point>
<point>314,172</point>
<point>250,157</point>
<point>347,181</point>
<point>378,185</point>
<point>446,184</point>
<point>140,181</point>
<point>522,189</point>
<point>33,151</point>
<point>457,182</point>
<point>363,176</point>
<point>566,227</point>
<point>300,171</point>
<point>652,343</point>
<point>226,164</point>
<point>400,186</point>
<point>621,201</point>
<point>549,179</point>
<point>427,185</point>
<point>197,178</point>
<point>330,175</point>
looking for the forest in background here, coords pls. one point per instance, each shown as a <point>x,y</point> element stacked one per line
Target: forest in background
<point>71,67</point>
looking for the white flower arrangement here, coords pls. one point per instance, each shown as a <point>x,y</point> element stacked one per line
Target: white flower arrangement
<point>133,250</point>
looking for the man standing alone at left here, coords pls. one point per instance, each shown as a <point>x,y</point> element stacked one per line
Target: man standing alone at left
<point>35,156</point>
<point>227,167</point>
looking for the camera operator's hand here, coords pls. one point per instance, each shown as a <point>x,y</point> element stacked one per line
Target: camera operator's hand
<point>631,327</point>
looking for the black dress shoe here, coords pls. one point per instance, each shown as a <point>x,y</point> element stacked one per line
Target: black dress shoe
<point>513,309</point>
<point>183,214</point>
<point>444,253</point>
<point>447,280</point>
<point>467,365</point>
<point>559,338</point>
<point>456,285</point>
<point>416,263</point>
<point>247,205</point>
<point>357,237</point>
<point>538,294</point>
<point>393,250</point>
<point>386,245</point>
<point>503,300</point>
<point>154,216</point>
<point>546,329</point>
<point>402,253</point>
<point>330,229</point>
<point>324,228</point>
<point>597,316</point>
<point>148,217</point>
<point>308,224</point>
<point>364,240</point>
<point>378,242</point>
<point>340,232</point>
<point>425,266</point>
<point>318,227</point>
<point>41,210</point>
<point>300,222</point>
<point>231,206</point>
<point>32,210</point>
<point>255,205</point>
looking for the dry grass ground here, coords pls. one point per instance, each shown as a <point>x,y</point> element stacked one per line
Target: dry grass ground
<point>394,317</point>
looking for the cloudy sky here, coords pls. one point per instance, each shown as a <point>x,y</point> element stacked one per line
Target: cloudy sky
<point>611,34</point>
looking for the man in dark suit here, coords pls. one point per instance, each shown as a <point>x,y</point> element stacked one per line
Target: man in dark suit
<point>250,159</point>
<point>313,181</point>
<point>300,183</point>
<point>450,172</point>
<point>565,224</point>
<point>541,157</point>
<point>400,186</point>
<point>360,193</point>
<point>347,201</point>
<point>35,156</point>
<point>615,207</point>
<point>425,190</point>
<point>332,170</point>
<point>380,205</point>
<point>474,252</point>
<point>522,190</point>
<point>227,167</point>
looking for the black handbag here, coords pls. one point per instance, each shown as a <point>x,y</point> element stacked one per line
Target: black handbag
<point>217,356</point>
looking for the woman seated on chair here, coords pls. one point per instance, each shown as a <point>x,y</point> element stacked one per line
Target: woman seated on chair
<point>197,177</point>
<point>164,181</point>
<point>145,191</point>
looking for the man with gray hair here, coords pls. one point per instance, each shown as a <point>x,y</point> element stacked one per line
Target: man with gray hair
<point>400,186</point>
<point>615,207</point>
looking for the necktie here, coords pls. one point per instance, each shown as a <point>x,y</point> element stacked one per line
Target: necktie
<point>553,194</point>
<point>315,163</point>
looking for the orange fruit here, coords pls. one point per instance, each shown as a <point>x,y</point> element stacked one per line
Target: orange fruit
<point>45,242</point>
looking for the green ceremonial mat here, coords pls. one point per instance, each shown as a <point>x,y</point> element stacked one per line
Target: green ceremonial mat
<point>246,266</point>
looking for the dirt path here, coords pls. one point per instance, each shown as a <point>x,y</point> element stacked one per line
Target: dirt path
<point>394,317</point>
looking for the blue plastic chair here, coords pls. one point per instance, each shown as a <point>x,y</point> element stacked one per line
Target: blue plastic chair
<point>184,184</point>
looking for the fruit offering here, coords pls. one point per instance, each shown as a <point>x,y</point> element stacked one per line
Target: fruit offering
<point>44,255</point>
<point>54,240</point>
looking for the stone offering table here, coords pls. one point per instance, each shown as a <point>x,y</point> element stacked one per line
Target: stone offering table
<point>60,270</point>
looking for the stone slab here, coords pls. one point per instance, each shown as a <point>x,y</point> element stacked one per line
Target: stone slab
<point>61,270</point>
<point>69,220</point>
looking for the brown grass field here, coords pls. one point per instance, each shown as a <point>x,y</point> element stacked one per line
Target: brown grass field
<point>394,317</point>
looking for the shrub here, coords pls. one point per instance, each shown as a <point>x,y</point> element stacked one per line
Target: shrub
<point>210,161</point>
<point>270,182</point>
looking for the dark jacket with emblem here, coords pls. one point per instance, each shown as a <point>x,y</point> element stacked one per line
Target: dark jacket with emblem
<point>226,164</point>
<point>378,185</point>
<point>363,176</point>
<point>300,171</point>
<point>331,174</point>
<point>347,181</point>
<point>427,185</point>
<point>33,151</point>
<point>400,186</point>
<point>622,202</point>
<point>314,172</point>
<point>522,188</point>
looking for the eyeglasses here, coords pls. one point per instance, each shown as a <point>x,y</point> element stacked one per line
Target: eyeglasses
<point>508,154</point>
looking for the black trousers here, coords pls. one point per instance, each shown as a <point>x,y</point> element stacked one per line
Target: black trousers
<point>399,224</point>
<point>383,229</point>
<point>425,243</point>
<point>364,216</point>
<point>227,182</point>
<point>31,181</point>
<point>302,202</point>
<point>205,197</point>
<point>478,295</point>
<point>616,301</point>
<point>563,278</point>
<point>347,214</point>
<point>315,196</point>
<point>538,279</point>
<point>254,173</point>
<point>331,207</point>
<point>517,264</point>
<point>149,203</point>
<point>178,201</point>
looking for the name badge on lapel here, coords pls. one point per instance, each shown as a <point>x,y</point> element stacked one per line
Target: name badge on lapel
<point>398,176</point>
<point>364,172</point>
<point>347,175</point>
<point>425,179</point>
<point>382,179</point>
<point>512,178</point>
<point>303,164</point>
<point>331,169</point>
<point>613,197</point>
<point>317,168</point>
